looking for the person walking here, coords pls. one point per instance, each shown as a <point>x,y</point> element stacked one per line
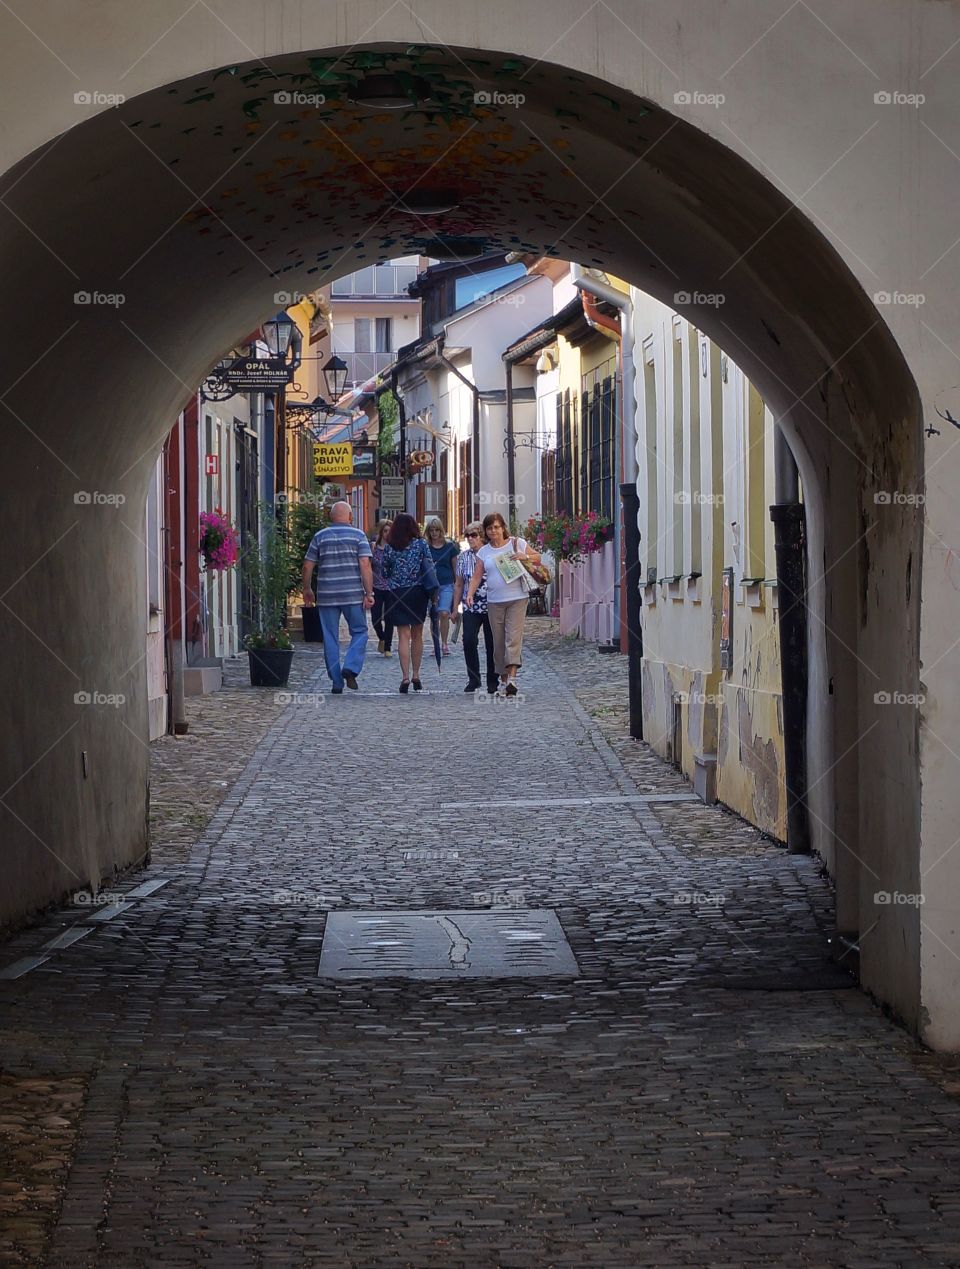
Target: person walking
<point>475,615</point>
<point>498,561</point>
<point>444,554</point>
<point>341,555</point>
<point>408,567</point>
<point>380,616</point>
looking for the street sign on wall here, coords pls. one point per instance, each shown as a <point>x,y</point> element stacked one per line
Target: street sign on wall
<point>393,494</point>
<point>333,460</point>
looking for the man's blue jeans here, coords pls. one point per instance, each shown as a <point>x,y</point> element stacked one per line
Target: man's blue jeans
<point>357,625</point>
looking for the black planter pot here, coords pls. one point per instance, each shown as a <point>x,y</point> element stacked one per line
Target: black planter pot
<point>270,667</point>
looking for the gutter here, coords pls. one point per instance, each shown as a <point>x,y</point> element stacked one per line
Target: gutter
<point>788,518</point>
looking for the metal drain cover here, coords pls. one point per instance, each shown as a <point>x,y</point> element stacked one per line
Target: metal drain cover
<point>519,943</point>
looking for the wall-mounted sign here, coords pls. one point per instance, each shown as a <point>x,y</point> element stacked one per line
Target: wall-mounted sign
<point>726,619</point>
<point>333,460</point>
<point>364,462</point>
<point>211,464</point>
<point>393,494</point>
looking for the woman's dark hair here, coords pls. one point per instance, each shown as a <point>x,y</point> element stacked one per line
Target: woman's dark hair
<point>405,530</point>
<point>495,518</point>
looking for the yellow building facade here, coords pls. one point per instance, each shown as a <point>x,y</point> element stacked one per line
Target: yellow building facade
<point>712,699</point>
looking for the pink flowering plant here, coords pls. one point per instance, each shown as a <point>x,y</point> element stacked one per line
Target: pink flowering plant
<point>219,541</point>
<point>569,538</point>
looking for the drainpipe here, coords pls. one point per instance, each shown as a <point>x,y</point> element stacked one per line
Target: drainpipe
<point>475,512</point>
<point>787,515</point>
<point>625,476</point>
<point>402,441</point>
<point>511,455</point>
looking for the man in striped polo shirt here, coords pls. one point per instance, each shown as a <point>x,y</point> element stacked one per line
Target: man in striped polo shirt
<point>341,555</point>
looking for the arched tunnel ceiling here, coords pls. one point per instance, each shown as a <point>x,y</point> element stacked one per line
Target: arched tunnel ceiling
<point>199,201</point>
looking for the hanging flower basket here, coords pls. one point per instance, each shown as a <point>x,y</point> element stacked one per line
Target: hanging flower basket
<point>570,538</point>
<point>219,541</point>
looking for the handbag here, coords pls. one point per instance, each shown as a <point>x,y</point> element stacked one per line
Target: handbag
<point>537,575</point>
<point>428,574</point>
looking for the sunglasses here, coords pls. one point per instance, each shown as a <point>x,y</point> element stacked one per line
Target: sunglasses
<point>473,534</point>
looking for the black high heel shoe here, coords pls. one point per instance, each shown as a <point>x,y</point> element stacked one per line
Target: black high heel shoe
<point>417,685</point>
<point>405,686</point>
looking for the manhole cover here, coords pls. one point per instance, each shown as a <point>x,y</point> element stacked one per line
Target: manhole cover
<point>509,944</point>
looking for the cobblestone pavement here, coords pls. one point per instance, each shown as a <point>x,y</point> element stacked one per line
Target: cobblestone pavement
<point>709,1090</point>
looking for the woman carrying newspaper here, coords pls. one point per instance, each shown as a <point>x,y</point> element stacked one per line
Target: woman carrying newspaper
<point>499,561</point>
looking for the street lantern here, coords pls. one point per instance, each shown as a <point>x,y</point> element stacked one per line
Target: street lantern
<point>277,334</point>
<point>335,377</point>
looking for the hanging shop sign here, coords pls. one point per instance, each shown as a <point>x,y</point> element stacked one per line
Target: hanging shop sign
<point>211,464</point>
<point>364,462</point>
<point>333,460</point>
<point>419,460</point>
<point>252,374</point>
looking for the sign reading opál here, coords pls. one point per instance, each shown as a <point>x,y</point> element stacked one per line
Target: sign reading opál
<point>333,460</point>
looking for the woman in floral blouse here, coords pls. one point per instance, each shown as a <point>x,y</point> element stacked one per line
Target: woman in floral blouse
<point>408,567</point>
<point>475,617</point>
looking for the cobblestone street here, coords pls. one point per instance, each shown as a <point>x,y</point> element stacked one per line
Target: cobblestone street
<point>181,1087</point>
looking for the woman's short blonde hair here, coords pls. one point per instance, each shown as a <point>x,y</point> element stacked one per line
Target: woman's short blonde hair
<point>476,526</point>
<point>435,526</point>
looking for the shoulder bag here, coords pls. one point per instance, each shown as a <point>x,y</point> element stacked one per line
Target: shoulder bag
<point>428,574</point>
<point>535,575</point>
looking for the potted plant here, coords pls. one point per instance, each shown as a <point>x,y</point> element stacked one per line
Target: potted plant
<point>266,571</point>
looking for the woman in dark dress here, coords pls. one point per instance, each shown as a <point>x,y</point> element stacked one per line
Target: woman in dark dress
<point>408,568</point>
<point>380,613</point>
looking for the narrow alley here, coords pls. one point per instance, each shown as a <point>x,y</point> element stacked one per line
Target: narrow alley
<point>708,1086</point>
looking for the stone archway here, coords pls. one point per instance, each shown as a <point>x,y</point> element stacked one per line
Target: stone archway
<point>198,200</point>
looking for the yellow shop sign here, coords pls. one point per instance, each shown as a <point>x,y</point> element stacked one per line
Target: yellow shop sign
<point>333,460</point>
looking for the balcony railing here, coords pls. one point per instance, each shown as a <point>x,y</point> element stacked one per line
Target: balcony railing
<point>376,282</point>
<point>362,366</point>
